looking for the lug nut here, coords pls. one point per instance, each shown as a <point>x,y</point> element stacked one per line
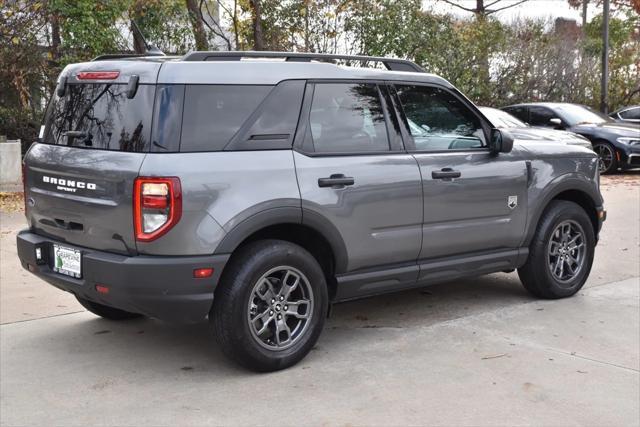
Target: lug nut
<point>281,298</point>
<point>273,300</point>
<point>279,316</point>
<point>286,307</point>
<point>270,312</point>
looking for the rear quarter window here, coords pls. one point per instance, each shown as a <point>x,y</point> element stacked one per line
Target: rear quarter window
<point>213,114</point>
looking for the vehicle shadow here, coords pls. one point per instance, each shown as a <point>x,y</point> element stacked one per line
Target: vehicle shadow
<point>157,347</point>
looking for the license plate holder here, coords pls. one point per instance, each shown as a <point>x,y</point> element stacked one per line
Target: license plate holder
<point>67,261</point>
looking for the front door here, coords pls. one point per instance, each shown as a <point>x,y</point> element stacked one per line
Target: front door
<point>474,200</point>
<point>353,173</point>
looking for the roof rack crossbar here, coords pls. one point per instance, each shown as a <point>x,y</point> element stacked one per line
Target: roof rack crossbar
<point>392,64</point>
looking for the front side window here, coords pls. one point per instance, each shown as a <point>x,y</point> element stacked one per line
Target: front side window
<point>540,116</point>
<point>437,120</point>
<point>631,114</point>
<point>347,117</point>
<point>101,117</point>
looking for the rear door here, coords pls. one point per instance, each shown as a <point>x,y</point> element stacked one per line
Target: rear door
<point>353,172</point>
<point>474,201</point>
<point>79,179</point>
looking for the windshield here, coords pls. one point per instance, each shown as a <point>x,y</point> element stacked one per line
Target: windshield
<point>100,116</point>
<point>578,114</point>
<point>502,119</point>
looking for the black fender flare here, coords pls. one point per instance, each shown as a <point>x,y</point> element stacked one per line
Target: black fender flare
<point>283,216</point>
<point>559,185</point>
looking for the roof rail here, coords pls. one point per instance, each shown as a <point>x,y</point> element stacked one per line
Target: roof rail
<point>392,64</point>
<point>125,55</point>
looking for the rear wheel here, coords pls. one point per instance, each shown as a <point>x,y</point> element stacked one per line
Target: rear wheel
<point>270,307</point>
<point>607,154</point>
<point>106,311</point>
<point>561,253</point>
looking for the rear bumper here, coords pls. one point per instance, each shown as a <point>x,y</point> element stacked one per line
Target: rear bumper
<point>156,286</point>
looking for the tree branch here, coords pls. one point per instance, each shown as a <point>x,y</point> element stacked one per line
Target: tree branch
<point>488,12</point>
<point>449,2</point>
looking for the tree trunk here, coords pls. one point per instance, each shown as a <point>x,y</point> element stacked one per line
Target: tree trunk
<point>138,42</point>
<point>54,21</point>
<point>195,16</point>
<point>256,20</point>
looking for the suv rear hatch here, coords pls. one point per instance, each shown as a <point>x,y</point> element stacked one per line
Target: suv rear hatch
<point>79,179</point>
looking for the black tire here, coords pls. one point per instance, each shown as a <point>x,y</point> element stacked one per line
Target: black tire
<point>608,157</point>
<point>235,303</point>
<point>105,311</point>
<point>536,275</point>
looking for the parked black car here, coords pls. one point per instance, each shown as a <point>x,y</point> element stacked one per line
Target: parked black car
<point>617,144</point>
<point>629,114</point>
<point>522,131</point>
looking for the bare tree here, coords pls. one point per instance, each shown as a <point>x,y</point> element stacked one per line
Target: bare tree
<point>483,8</point>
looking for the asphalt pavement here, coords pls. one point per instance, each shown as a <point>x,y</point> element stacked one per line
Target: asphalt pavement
<point>478,351</point>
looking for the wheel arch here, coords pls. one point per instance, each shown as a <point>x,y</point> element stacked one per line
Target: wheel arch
<point>572,190</point>
<point>314,233</point>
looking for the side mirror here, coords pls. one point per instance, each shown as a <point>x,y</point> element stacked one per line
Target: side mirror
<point>556,123</point>
<point>501,141</point>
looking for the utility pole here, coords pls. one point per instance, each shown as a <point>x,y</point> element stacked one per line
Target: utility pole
<point>604,88</point>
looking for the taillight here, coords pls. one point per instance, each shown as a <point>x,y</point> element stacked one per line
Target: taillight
<point>157,206</point>
<point>98,75</point>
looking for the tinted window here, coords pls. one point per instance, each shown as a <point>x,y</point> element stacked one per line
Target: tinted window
<point>540,116</point>
<point>100,116</point>
<point>347,118</point>
<point>631,114</point>
<point>167,125</point>
<point>519,112</point>
<point>214,113</point>
<point>437,120</point>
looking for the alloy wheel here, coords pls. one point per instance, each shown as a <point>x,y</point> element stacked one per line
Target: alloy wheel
<point>280,308</point>
<point>606,155</point>
<point>566,251</point>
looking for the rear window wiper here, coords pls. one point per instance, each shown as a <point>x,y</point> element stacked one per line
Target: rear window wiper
<point>73,134</point>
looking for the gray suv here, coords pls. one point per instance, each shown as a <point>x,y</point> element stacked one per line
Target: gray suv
<point>256,189</point>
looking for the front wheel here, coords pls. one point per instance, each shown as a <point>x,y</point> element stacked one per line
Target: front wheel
<point>561,253</point>
<point>270,307</point>
<point>608,159</point>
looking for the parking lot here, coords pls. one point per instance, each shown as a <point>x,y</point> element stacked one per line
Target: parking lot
<point>479,351</point>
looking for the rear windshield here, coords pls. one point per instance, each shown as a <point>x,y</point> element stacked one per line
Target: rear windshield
<point>101,117</point>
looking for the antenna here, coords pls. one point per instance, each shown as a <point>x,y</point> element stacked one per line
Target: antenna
<point>149,49</point>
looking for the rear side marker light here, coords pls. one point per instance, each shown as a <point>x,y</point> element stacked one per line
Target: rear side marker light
<point>102,289</point>
<point>98,75</point>
<point>202,273</point>
<point>157,206</point>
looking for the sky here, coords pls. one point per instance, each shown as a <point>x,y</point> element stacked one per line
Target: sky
<point>530,9</point>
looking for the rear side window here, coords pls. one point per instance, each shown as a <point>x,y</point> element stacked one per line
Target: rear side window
<point>214,113</point>
<point>347,118</point>
<point>101,117</point>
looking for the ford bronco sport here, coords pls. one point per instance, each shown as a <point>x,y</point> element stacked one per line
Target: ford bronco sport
<point>256,189</point>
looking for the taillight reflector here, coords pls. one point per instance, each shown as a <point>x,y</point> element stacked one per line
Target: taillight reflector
<point>157,206</point>
<point>202,273</point>
<point>102,289</point>
<point>98,75</point>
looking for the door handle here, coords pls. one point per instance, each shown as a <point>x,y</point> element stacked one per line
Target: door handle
<point>445,173</point>
<point>336,180</point>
